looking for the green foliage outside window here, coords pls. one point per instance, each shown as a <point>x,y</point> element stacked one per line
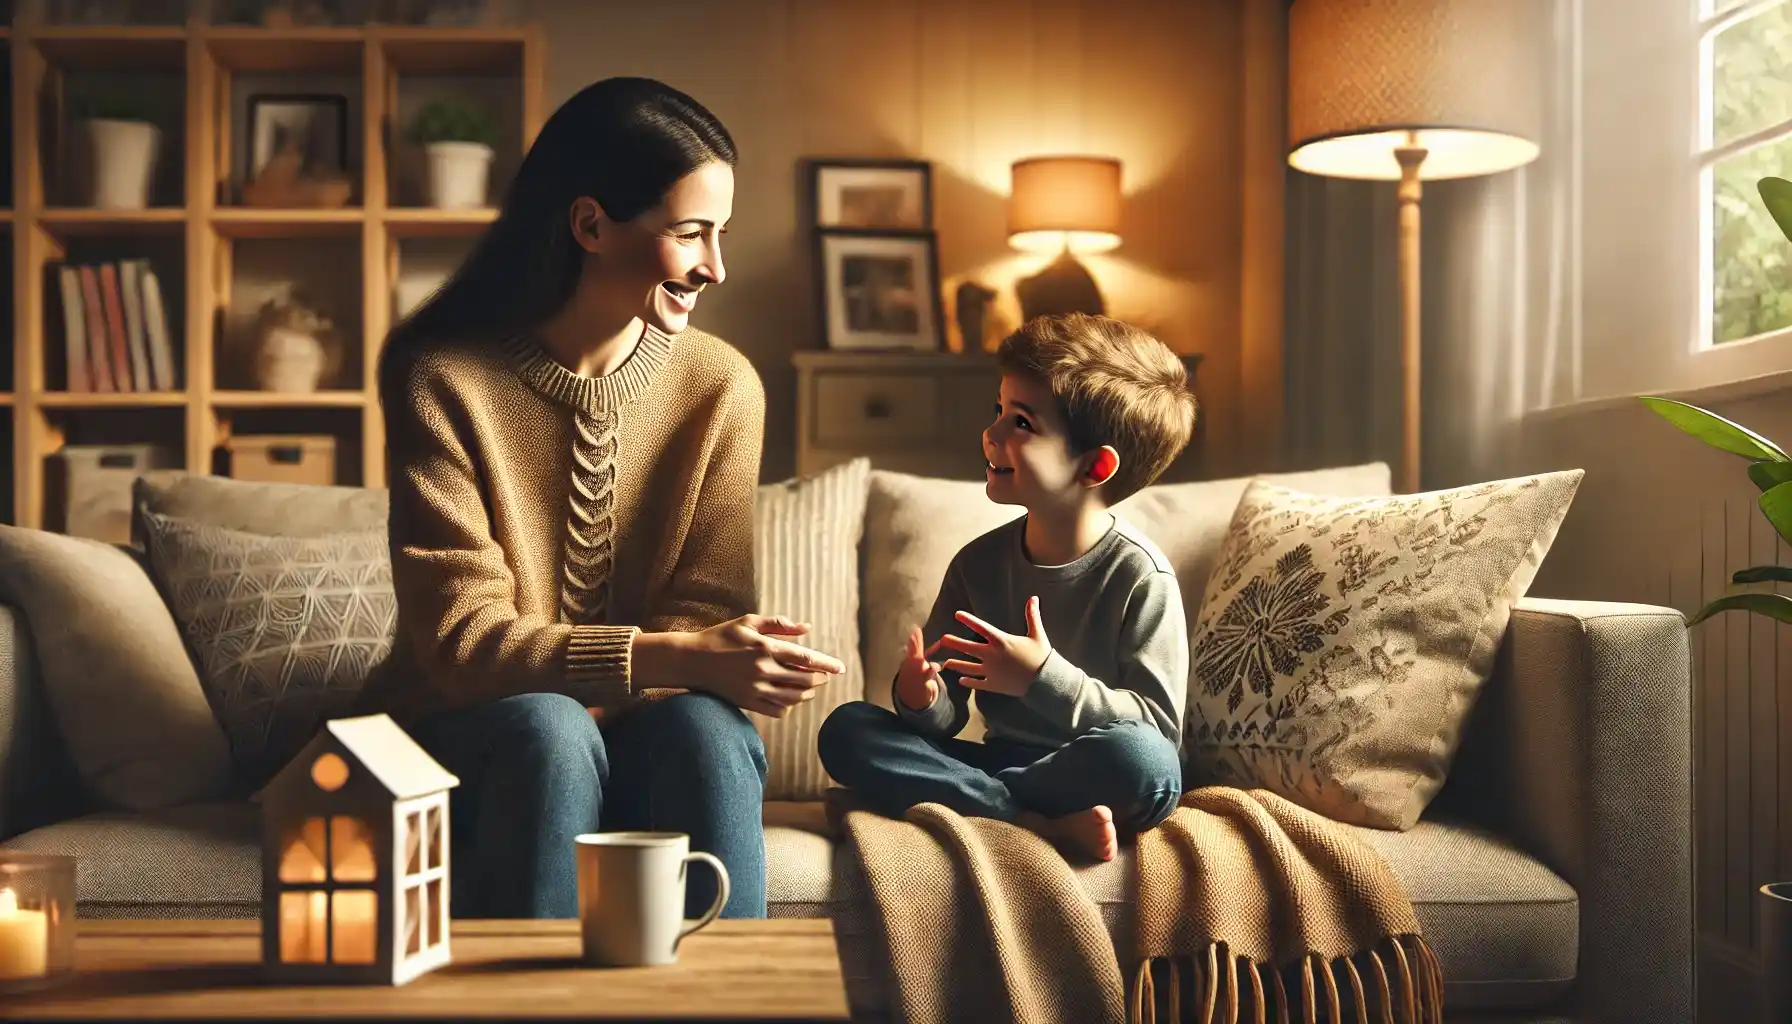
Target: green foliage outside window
<point>1751,92</point>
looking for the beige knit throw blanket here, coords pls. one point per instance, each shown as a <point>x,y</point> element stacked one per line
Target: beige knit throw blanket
<point>1250,909</point>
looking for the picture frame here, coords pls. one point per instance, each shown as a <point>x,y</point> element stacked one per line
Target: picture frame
<point>880,290</point>
<point>873,195</point>
<point>316,124</point>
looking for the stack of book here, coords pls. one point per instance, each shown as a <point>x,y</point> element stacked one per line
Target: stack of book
<point>116,328</point>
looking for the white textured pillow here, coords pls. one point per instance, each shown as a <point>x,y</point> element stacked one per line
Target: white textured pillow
<point>806,558</point>
<point>1342,642</point>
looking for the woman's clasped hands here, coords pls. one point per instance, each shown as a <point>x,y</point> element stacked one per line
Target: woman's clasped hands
<point>746,661</point>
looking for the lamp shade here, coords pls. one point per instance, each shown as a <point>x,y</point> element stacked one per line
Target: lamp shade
<point>1461,79</point>
<point>1065,202</point>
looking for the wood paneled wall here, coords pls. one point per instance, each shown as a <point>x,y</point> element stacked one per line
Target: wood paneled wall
<point>1186,92</point>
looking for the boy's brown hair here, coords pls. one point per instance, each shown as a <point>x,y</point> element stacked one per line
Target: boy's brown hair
<point>1114,385</point>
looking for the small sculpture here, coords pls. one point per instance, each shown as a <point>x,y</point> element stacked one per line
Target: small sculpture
<point>971,307</point>
<point>296,347</point>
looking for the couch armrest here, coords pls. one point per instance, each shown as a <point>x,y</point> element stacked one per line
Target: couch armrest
<point>1580,751</point>
<point>37,783</point>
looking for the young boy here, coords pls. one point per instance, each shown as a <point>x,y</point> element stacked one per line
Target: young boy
<point>1083,720</point>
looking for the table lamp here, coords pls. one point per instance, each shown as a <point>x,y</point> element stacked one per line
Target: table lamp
<point>1407,90</point>
<point>1063,204</point>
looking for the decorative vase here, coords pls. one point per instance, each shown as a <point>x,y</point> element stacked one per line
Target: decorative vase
<point>290,361</point>
<point>458,173</point>
<point>124,158</point>
<point>1776,952</point>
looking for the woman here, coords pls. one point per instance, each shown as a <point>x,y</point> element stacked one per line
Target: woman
<point>572,473</point>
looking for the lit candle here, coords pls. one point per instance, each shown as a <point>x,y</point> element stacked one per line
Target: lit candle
<point>24,939</point>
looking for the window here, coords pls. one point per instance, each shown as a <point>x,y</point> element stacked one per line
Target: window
<point>1745,134</point>
<point>322,920</point>
<point>424,897</point>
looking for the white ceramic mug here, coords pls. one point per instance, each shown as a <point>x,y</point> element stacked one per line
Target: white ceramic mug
<point>631,896</point>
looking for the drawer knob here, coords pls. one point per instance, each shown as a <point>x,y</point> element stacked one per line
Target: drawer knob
<point>877,409</point>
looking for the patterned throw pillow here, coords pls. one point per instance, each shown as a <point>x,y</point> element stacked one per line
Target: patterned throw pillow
<point>1342,641</point>
<point>284,630</point>
<point>806,559</point>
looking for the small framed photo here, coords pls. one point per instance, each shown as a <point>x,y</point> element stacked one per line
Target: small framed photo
<point>880,289</point>
<point>874,195</point>
<point>313,128</point>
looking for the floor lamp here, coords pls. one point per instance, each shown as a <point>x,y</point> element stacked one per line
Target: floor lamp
<point>1410,90</point>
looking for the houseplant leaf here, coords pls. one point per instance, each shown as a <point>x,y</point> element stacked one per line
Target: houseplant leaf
<point>1716,431</point>
<point>1764,574</point>
<point>1776,194</point>
<point>1766,474</point>
<point>1774,606</point>
<point>1776,505</point>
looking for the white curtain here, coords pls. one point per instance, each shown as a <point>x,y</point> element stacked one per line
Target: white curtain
<point>1499,293</point>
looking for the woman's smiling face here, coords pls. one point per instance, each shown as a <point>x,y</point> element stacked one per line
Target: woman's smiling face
<point>657,264</point>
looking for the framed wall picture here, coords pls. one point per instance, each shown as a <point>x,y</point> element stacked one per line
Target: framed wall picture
<point>881,195</point>
<point>313,128</point>
<point>880,289</point>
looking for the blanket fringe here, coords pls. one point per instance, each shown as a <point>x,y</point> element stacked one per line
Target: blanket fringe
<point>1408,987</point>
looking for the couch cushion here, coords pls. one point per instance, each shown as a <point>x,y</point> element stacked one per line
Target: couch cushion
<point>1505,928</point>
<point>290,510</point>
<point>116,679</point>
<point>806,563</point>
<point>1344,640</point>
<point>285,630</point>
<point>197,861</point>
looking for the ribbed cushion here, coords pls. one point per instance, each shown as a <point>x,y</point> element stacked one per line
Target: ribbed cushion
<point>806,565</point>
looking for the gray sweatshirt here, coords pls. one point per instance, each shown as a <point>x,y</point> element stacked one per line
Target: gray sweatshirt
<point>1114,621</point>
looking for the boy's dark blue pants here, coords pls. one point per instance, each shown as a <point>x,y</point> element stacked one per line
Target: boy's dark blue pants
<point>1127,766</point>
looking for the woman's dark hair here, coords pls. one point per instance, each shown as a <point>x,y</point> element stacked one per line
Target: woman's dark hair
<point>622,141</point>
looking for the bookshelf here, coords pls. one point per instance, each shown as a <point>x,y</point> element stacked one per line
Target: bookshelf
<point>197,236</point>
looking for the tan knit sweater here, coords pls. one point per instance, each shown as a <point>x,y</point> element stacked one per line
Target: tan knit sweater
<point>540,519</point>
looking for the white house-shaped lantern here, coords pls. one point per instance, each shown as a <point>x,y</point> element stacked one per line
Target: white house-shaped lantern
<point>354,858</point>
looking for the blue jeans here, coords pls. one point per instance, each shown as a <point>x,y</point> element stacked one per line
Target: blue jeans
<point>535,771</point>
<point>1127,766</point>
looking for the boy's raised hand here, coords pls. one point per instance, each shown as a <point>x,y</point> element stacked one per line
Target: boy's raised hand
<point>1006,663</point>
<point>918,680</point>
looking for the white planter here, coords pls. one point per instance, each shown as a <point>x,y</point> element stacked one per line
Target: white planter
<point>458,173</point>
<point>290,362</point>
<point>124,160</point>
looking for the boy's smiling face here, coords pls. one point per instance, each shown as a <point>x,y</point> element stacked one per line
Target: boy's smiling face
<point>1028,449</point>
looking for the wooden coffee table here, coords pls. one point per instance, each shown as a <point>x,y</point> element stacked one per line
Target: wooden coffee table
<point>783,970</point>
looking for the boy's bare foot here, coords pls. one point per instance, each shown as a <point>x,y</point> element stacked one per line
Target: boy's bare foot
<point>1084,834</point>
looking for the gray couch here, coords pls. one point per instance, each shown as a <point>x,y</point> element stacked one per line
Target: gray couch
<point>1552,875</point>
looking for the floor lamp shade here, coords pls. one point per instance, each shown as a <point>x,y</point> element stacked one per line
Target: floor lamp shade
<point>1461,79</point>
<point>1406,90</point>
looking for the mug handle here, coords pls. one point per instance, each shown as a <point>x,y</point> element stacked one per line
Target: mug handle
<point>722,891</point>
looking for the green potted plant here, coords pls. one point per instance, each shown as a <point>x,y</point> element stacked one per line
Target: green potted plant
<point>457,139</point>
<point>124,143</point>
<point>1770,470</point>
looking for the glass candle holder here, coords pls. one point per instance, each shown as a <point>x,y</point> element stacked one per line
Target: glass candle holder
<point>37,920</point>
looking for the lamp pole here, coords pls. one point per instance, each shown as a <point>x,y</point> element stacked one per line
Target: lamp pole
<point>1410,157</point>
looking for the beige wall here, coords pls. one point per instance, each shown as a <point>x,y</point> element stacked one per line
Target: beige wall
<point>970,87</point>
